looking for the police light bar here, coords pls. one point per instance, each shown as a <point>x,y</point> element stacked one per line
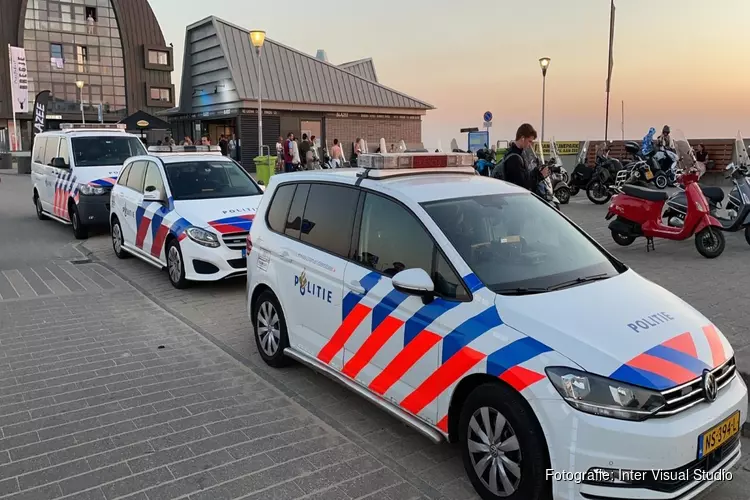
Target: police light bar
<point>93,126</point>
<point>184,149</point>
<point>386,161</point>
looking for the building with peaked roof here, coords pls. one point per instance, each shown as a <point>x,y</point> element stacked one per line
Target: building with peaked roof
<point>300,94</point>
<point>115,47</point>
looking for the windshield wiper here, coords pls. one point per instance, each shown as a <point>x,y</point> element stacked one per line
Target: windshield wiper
<point>579,281</point>
<point>520,291</point>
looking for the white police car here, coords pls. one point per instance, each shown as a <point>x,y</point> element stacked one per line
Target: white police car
<point>475,312</point>
<point>73,170</point>
<point>187,209</point>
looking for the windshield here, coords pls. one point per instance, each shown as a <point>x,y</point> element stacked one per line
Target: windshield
<point>581,158</point>
<point>200,180</point>
<point>103,151</point>
<point>740,150</point>
<point>516,243</point>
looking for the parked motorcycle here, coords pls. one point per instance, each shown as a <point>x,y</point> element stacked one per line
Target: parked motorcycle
<point>738,203</point>
<point>663,163</point>
<point>582,173</point>
<point>484,164</point>
<point>557,174</point>
<point>638,212</point>
<point>604,179</point>
<point>535,162</point>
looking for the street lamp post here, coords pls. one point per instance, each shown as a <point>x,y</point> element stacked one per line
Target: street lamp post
<point>79,84</point>
<point>544,64</point>
<point>257,37</point>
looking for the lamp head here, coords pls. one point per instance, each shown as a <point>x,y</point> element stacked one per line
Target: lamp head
<point>257,37</point>
<point>544,64</point>
<point>79,84</point>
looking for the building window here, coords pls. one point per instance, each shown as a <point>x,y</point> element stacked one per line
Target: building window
<point>158,57</point>
<point>159,94</point>
<point>82,57</point>
<point>56,55</point>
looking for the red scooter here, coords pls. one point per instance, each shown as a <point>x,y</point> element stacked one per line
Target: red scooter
<point>639,213</point>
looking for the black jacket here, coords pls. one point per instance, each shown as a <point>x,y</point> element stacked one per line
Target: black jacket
<point>516,171</point>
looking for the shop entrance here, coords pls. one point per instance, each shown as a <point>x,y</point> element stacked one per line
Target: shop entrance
<point>312,127</point>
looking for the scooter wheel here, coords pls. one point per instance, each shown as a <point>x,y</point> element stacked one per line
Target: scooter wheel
<point>598,193</point>
<point>710,242</point>
<point>563,194</point>
<point>623,240</point>
<point>661,181</point>
<point>574,190</point>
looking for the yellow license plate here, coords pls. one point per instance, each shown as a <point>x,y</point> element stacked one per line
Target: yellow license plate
<point>718,435</point>
<point>649,175</point>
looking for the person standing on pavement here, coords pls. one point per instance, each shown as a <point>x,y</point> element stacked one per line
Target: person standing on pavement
<point>289,153</point>
<point>337,155</point>
<point>515,169</point>
<point>232,147</point>
<point>280,154</point>
<point>303,149</point>
<point>223,145</point>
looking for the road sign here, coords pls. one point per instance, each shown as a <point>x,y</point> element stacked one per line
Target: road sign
<point>487,116</point>
<point>487,124</point>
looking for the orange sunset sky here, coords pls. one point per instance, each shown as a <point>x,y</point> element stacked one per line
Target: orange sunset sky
<point>680,62</point>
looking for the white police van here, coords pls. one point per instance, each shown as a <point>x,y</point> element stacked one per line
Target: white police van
<point>475,312</point>
<point>187,209</point>
<point>73,170</point>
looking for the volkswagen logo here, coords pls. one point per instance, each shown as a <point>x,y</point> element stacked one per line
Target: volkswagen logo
<point>709,386</point>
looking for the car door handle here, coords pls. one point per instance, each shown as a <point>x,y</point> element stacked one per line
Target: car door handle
<point>285,257</point>
<point>356,287</point>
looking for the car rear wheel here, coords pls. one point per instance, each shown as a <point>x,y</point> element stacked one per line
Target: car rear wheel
<point>271,335</point>
<point>503,448</point>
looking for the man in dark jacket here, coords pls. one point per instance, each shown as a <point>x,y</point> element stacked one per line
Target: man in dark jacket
<point>515,169</point>
<point>303,149</point>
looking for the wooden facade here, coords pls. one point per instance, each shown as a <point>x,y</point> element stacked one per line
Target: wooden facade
<point>138,28</point>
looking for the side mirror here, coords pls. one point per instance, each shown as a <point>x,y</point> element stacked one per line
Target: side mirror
<point>59,162</point>
<point>415,282</point>
<point>152,194</point>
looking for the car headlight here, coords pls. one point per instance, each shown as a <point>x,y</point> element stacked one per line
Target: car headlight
<point>605,397</point>
<point>88,190</point>
<point>203,237</point>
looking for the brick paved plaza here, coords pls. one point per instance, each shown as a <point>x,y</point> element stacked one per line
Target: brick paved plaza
<point>115,385</point>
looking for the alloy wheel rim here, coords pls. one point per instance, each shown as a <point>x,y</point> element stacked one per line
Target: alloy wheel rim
<point>116,238</point>
<point>495,452</point>
<point>268,328</point>
<point>661,182</point>
<point>175,264</point>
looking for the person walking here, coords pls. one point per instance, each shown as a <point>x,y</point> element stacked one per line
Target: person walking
<point>337,155</point>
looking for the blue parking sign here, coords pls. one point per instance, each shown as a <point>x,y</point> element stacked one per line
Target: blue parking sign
<point>488,116</point>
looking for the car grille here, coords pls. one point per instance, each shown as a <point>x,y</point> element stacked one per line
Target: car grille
<point>690,394</point>
<point>235,241</point>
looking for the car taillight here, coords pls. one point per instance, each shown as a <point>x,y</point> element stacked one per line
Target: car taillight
<point>249,244</point>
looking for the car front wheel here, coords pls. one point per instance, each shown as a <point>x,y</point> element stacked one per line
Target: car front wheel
<point>504,450</point>
<point>176,265</point>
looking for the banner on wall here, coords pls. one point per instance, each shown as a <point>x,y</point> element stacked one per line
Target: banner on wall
<point>19,79</point>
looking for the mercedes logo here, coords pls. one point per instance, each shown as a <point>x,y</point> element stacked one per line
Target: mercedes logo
<point>709,386</point>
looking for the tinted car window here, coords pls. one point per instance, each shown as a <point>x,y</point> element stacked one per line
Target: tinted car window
<point>200,180</point>
<point>63,152</point>
<point>51,150</point>
<point>39,144</point>
<point>282,198</point>
<point>105,151</point>
<point>122,180</point>
<point>293,225</point>
<point>329,218</point>
<point>391,239</point>
<point>137,173</point>
<point>153,179</point>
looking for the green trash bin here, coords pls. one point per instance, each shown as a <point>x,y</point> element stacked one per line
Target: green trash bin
<point>265,167</point>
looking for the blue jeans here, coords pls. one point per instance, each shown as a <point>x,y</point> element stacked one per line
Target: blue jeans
<point>288,167</point>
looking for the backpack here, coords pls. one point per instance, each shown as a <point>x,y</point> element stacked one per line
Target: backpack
<point>499,171</point>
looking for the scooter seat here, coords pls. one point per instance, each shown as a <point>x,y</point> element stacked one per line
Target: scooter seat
<point>713,193</point>
<point>644,193</point>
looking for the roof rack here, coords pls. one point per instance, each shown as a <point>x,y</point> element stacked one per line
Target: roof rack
<point>385,165</point>
<point>109,127</point>
<point>185,149</point>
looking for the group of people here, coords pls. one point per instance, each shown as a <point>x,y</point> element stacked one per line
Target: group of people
<point>228,144</point>
<point>292,155</point>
